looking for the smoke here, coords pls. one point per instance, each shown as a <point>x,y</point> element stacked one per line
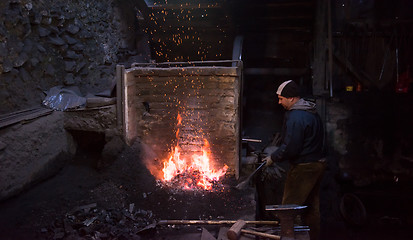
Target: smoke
<point>151,160</point>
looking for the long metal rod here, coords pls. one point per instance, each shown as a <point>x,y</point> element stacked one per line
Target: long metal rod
<point>212,222</point>
<point>330,51</point>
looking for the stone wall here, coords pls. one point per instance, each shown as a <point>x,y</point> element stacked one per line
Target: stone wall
<point>54,42</point>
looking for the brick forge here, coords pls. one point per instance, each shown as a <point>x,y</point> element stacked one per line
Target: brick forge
<point>166,104</point>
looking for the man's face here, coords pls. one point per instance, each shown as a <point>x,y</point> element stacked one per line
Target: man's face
<point>285,102</point>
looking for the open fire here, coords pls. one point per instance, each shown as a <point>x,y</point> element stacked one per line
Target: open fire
<point>194,170</point>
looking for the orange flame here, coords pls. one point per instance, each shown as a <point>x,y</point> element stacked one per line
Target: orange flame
<point>198,165</point>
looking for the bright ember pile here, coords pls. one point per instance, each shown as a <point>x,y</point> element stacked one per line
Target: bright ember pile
<point>191,172</point>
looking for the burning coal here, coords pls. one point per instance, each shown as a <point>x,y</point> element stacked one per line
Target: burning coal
<point>190,168</point>
<point>195,172</point>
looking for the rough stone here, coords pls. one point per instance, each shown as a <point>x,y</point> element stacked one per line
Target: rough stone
<point>7,65</point>
<point>24,75</point>
<point>57,41</point>
<point>41,48</point>
<point>72,55</point>
<point>70,40</point>
<point>84,71</point>
<point>22,59</point>
<point>80,66</point>
<point>43,32</point>
<point>4,95</point>
<point>78,47</point>
<point>70,66</point>
<point>3,49</point>
<point>28,45</point>
<point>47,34</point>
<point>37,18</point>
<point>85,34</point>
<point>34,61</point>
<point>73,29</point>
<point>69,80</point>
<point>46,20</point>
<point>50,70</point>
<point>16,47</point>
<point>55,30</point>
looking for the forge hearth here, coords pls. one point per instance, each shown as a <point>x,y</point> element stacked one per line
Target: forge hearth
<point>192,106</point>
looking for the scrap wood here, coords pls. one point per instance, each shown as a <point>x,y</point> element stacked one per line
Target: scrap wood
<point>207,235</point>
<point>222,234</point>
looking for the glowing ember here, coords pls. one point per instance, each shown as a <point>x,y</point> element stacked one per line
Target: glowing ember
<point>197,169</point>
<point>192,171</point>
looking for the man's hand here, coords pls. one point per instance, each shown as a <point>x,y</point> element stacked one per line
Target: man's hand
<point>271,170</point>
<point>268,161</point>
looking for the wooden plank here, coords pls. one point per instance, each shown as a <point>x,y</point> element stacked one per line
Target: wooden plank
<point>22,116</point>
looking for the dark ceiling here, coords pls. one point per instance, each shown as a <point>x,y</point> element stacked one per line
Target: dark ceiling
<point>205,30</point>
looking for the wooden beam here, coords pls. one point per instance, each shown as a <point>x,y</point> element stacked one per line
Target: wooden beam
<point>276,71</point>
<point>346,65</point>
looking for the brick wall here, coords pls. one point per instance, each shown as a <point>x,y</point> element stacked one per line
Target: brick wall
<point>206,98</point>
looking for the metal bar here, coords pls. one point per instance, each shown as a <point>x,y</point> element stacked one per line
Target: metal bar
<point>182,63</point>
<point>330,50</point>
<point>212,222</point>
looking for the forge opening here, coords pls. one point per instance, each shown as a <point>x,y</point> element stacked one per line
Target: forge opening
<point>89,145</point>
<point>192,123</point>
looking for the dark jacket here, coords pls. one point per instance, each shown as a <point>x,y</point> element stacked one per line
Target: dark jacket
<point>302,135</point>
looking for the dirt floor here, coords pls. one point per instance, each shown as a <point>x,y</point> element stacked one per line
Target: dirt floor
<point>84,202</point>
<point>123,201</point>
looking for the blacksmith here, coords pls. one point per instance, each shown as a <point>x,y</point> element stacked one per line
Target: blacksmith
<point>302,139</point>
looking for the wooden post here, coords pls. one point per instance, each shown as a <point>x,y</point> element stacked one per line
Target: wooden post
<point>120,72</point>
<point>319,61</point>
